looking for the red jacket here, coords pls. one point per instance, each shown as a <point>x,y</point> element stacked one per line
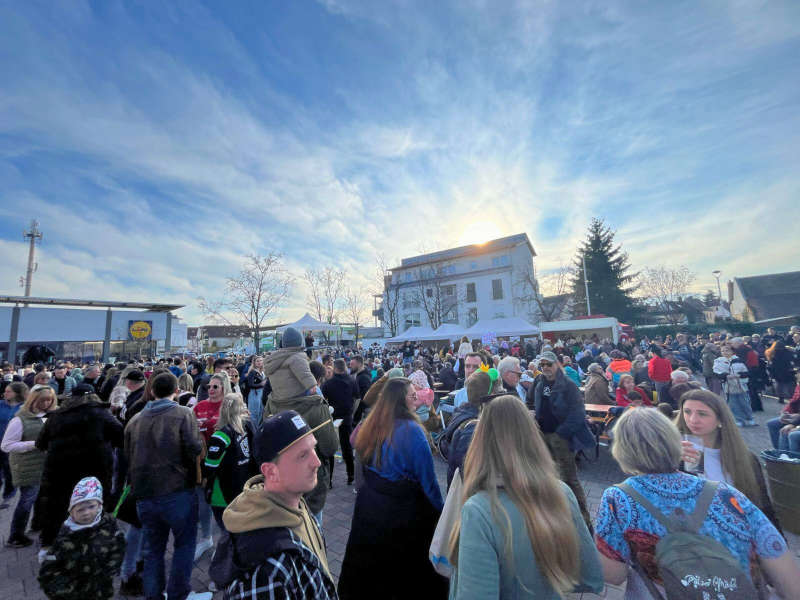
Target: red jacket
<point>622,398</point>
<point>659,369</point>
<point>207,413</point>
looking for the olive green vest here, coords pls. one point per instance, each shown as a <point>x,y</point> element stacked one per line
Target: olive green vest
<point>26,467</point>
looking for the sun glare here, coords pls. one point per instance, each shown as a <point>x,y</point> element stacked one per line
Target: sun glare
<point>479,232</point>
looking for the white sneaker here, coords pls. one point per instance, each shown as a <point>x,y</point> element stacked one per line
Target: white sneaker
<point>42,556</point>
<point>199,596</point>
<point>203,546</point>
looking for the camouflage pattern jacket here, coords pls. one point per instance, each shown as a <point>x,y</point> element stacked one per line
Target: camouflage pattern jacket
<point>82,564</point>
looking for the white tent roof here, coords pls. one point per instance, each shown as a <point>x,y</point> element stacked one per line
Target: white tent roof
<point>502,327</point>
<point>448,331</point>
<point>412,334</point>
<point>309,323</point>
<point>580,324</point>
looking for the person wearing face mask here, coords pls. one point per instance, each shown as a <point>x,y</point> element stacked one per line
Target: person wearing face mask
<point>562,420</point>
<point>88,550</point>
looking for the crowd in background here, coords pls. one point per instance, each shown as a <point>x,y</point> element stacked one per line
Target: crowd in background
<point>167,446</point>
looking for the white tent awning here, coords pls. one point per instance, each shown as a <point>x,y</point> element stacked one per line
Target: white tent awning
<point>502,327</point>
<point>412,334</point>
<point>309,323</point>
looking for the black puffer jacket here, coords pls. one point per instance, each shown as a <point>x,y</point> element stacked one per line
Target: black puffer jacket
<point>78,438</point>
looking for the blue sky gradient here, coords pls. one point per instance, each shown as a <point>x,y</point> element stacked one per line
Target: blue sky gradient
<point>158,143</point>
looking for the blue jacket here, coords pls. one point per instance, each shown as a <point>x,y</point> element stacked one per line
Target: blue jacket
<point>7,413</point>
<point>568,409</point>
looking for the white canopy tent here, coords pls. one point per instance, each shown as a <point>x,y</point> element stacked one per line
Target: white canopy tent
<point>309,323</point>
<point>412,334</point>
<point>502,327</point>
<point>448,331</point>
<point>603,327</point>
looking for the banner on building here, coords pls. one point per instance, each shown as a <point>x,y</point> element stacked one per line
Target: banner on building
<point>140,331</point>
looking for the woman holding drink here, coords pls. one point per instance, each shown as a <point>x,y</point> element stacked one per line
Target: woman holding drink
<point>714,449</point>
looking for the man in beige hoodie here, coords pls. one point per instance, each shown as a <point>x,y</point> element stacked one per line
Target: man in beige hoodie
<point>278,548</point>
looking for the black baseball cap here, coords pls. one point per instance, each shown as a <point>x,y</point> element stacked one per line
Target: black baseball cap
<point>135,375</point>
<point>279,432</point>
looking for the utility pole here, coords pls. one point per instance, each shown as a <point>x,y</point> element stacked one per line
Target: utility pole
<point>586,284</point>
<point>35,237</point>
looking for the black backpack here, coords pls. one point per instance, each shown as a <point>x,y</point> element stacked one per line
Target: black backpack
<point>693,566</point>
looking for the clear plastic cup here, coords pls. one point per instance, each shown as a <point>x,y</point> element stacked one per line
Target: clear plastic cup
<point>697,443</point>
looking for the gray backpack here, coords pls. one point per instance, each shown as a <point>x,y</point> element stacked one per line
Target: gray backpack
<point>692,566</point>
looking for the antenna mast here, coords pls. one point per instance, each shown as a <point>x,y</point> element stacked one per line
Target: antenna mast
<point>35,237</point>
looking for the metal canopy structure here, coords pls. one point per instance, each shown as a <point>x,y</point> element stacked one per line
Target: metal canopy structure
<point>88,303</point>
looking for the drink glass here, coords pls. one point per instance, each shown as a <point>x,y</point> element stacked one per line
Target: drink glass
<point>697,444</point>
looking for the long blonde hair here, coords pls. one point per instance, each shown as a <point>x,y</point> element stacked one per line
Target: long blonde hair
<point>736,458</point>
<point>230,413</point>
<point>31,403</point>
<point>508,451</point>
<point>224,380</point>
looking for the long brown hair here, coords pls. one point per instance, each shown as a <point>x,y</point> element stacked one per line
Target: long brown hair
<point>736,459</point>
<point>508,451</point>
<point>379,425</point>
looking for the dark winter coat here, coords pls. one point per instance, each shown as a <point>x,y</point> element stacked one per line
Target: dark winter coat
<point>462,438</point>
<point>78,438</point>
<point>340,391</point>
<point>780,367</point>
<point>84,563</point>
<point>567,406</point>
<point>387,550</point>
<point>462,414</point>
<point>363,381</point>
<point>448,378</point>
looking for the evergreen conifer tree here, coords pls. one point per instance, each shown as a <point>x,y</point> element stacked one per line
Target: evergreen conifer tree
<point>611,284</point>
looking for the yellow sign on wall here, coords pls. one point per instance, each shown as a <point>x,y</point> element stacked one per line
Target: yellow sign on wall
<point>140,330</point>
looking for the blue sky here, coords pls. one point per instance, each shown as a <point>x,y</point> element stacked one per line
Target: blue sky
<point>158,143</point>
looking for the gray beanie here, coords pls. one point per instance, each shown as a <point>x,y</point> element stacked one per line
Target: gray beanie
<point>291,338</point>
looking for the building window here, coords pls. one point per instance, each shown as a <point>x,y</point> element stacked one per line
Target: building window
<point>472,316</point>
<point>473,265</point>
<point>471,296</point>
<point>499,315</point>
<point>449,290</point>
<point>408,276</point>
<point>412,320</point>
<point>497,289</point>
<point>500,261</point>
<point>451,316</point>
<point>429,293</point>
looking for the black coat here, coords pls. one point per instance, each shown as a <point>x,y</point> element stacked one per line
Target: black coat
<point>780,367</point>
<point>393,524</point>
<point>363,381</point>
<point>448,378</point>
<point>340,392</point>
<point>78,439</point>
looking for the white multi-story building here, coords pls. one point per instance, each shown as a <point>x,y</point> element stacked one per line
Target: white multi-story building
<point>496,279</point>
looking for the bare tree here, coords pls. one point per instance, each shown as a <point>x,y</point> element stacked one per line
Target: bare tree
<point>438,298</point>
<point>666,287</point>
<point>532,293</point>
<point>354,307</point>
<point>325,292</point>
<point>254,294</point>
<point>390,291</point>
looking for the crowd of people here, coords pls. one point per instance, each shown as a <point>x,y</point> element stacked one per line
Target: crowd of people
<point>107,461</point>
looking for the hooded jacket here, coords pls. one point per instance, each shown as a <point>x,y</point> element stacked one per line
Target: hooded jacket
<point>288,372</point>
<point>270,546</point>
<point>314,411</point>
